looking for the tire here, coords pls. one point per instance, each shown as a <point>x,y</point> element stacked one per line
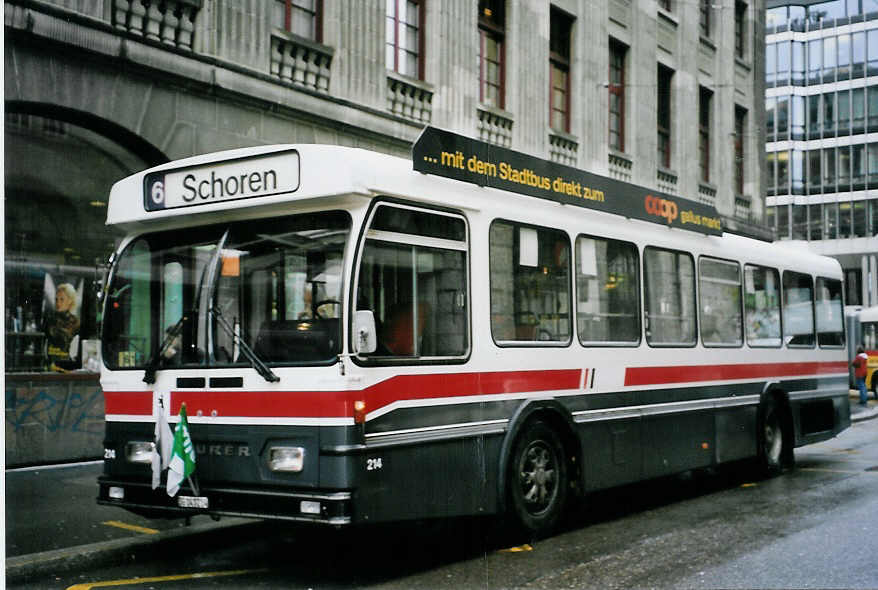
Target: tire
<point>537,479</point>
<point>773,436</point>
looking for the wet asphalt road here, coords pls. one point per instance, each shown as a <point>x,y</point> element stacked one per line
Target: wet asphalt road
<point>814,527</point>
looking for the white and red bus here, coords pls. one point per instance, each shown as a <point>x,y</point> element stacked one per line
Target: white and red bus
<point>358,341</point>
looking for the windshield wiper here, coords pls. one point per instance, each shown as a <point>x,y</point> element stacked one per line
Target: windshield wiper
<point>254,359</point>
<point>165,350</point>
<point>174,332</point>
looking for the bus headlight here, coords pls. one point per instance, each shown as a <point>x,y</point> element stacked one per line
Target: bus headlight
<point>286,459</point>
<point>139,451</point>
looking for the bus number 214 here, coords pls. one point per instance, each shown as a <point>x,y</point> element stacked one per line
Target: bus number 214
<point>373,464</point>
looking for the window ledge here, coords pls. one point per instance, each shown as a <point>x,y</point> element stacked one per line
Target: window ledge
<point>742,63</point>
<point>708,42</point>
<point>667,173</point>
<point>615,154</point>
<point>411,81</point>
<point>564,136</point>
<point>496,111</point>
<point>313,45</point>
<point>667,16</point>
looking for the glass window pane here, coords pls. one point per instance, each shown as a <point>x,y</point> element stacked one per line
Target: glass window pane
<point>607,287</point>
<point>830,313</point>
<point>530,284</point>
<point>670,298</point>
<point>762,306</point>
<point>720,292</point>
<point>815,221</point>
<point>416,292</point>
<point>798,309</point>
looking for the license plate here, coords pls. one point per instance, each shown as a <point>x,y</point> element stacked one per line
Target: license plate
<point>192,502</point>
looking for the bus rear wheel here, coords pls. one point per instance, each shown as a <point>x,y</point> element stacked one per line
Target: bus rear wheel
<point>537,479</point>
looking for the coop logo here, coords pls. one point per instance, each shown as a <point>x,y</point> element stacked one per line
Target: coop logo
<point>661,208</point>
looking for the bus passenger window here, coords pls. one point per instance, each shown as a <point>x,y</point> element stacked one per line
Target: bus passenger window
<point>720,284</point>
<point>607,292</point>
<point>762,306</point>
<point>798,309</point>
<point>669,279</point>
<point>830,313</point>
<point>412,277</point>
<point>530,284</point>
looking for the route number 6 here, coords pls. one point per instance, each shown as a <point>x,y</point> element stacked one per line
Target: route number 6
<point>158,192</point>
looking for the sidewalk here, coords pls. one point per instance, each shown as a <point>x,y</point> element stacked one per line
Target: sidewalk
<point>860,413</point>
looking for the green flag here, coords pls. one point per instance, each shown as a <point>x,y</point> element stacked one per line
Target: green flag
<point>182,463</point>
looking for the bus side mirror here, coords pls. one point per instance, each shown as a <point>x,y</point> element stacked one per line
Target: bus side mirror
<point>365,340</point>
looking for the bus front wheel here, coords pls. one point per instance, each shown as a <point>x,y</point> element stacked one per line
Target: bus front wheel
<point>774,438</point>
<point>537,479</point>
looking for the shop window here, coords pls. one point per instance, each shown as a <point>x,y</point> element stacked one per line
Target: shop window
<point>669,278</point>
<point>530,284</point>
<point>56,240</point>
<point>607,292</point>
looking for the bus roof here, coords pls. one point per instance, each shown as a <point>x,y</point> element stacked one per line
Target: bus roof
<point>245,182</point>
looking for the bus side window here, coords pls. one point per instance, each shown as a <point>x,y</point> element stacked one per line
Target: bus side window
<point>762,306</point>
<point>607,292</point>
<point>530,284</point>
<point>720,291</point>
<point>830,313</point>
<point>798,309</point>
<point>413,278</point>
<point>669,278</point>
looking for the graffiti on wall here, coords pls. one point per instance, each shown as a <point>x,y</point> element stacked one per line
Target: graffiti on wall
<point>78,411</point>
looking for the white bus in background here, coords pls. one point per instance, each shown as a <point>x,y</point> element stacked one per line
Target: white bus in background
<point>359,342</point>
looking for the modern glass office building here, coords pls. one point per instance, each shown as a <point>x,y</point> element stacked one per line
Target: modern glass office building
<point>821,118</point>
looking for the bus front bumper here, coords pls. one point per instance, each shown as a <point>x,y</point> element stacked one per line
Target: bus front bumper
<point>331,507</point>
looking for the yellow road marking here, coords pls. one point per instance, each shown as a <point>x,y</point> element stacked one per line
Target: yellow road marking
<point>518,549</point>
<point>173,578</point>
<point>130,527</point>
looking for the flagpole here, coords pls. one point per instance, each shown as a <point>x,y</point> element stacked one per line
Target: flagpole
<point>194,486</point>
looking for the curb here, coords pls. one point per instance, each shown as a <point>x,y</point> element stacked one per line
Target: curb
<point>22,567</point>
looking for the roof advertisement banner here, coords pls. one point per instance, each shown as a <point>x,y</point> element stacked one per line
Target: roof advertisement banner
<point>450,155</point>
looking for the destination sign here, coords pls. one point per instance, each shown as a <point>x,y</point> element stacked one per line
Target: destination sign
<point>243,178</point>
<point>446,154</point>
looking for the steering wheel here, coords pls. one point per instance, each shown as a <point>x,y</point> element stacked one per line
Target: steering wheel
<point>317,305</point>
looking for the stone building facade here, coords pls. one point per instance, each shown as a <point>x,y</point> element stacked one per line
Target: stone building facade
<point>667,94</point>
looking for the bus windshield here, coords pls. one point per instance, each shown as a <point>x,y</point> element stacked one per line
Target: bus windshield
<point>277,284</point>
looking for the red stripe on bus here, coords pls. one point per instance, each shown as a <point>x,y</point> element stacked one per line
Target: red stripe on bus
<point>321,404</point>
<point>699,373</point>
<point>135,403</point>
